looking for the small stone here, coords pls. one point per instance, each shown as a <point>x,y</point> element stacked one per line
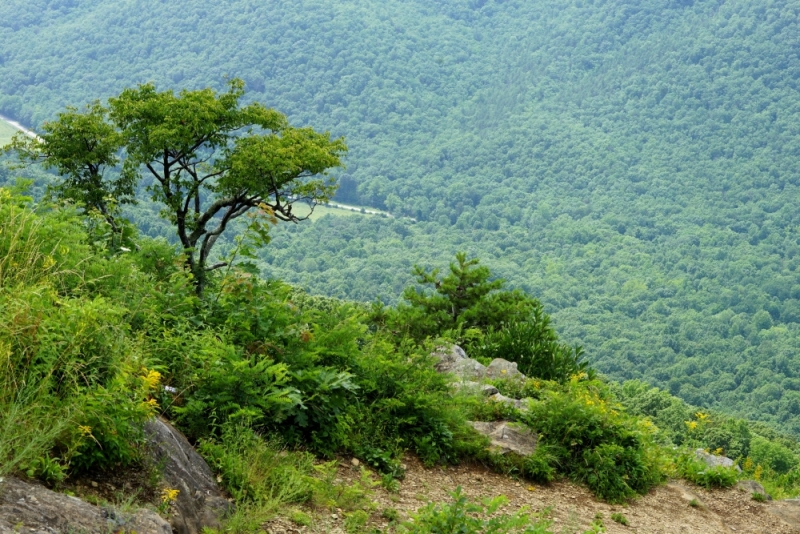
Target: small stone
<point>94,484</point>
<point>334,516</point>
<point>355,462</point>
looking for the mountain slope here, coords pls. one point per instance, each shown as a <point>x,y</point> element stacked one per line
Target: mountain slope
<point>633,163</point>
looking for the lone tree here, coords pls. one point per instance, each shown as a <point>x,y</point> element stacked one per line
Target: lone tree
<point>211,160</point>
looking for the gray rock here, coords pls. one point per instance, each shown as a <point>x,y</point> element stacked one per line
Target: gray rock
<point>30,508</point>
<point>500,368</point>
<point>447,357</point>
<point>508,437</point>
<point>751,487</point>
<point>484,389</point>
<point>489,390</point>
<point>468,368</point>
<point>519,404</point>
<point>712,460</point>
<point>200,503</point>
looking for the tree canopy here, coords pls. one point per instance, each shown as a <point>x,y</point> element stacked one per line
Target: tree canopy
<point>210,161</point>
<point>632,164</point>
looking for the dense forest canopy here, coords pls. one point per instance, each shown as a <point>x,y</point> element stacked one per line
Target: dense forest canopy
<point>631,163</point>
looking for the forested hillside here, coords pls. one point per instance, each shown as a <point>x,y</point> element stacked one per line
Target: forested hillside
<point>631,163</point>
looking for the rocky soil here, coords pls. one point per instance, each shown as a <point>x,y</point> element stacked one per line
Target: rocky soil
<point>675,508</point>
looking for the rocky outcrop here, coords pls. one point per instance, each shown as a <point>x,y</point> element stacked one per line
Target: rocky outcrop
<point>199,503</point>
<point>447,357</point>
<point>504,436</point>
<point>752,487</point>
<point>508,437</point>
<point>500,368</point>
<point>713,460</point>
<point>486,390</point>
<point>454,360</point>
<point>519,404</point>
<point>30,508</point>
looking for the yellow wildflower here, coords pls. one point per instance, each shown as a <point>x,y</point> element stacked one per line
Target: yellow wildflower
<point>691,424</point>
<point>748,464</point>
<point>168,495</point>
<point>85,430</point>
<point>151,378</point>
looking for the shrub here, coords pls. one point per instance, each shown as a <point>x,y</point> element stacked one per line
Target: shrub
<point>67,362</point>
<point>593,441</point>
<point>534,346</point>
<point>772,455</point>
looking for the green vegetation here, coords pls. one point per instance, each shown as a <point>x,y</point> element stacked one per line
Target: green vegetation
<point>269,381</point>
<point>201,172</point>
<point>462,516</point>
<point>632,164</point>
<point>620,518</point>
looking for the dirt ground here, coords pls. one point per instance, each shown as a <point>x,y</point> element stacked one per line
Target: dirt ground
<point>665,510</point>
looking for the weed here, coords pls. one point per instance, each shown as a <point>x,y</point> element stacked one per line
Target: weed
<point>389,483</point>
<point>391,515</point>
<point>330,492</point>
<point>619,518</point>
<point>299,517</point>
<point>694,503</point>
<point>463,516</point>
<point>758,497</point>
<point>597,526</point>
<point>355,522</point>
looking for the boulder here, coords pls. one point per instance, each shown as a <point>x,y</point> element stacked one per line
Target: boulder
<point>508,437</point>
<point>447,357</point>
<point>484,389</point>
<point>519,404</point>
<point>500,368</point>
<point>468,368</point>
<point>713,460</point>
<point>751,487</point>
<point>199,503</point>
<point>30,508</point>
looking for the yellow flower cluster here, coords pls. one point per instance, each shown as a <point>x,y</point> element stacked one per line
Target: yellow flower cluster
<point>168,495</point>
<point>151,378</point>
<point>85,430</point>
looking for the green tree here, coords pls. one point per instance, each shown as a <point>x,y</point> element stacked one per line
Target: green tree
<point>464,299</point>
<point>211,161</point>
<point>83,147</point>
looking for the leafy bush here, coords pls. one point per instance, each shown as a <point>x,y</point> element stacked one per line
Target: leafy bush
<point>533,344</point>
<point>465,517</point>
<point>771,455</point>
<point>593,441</point>
<point>67,360</point>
